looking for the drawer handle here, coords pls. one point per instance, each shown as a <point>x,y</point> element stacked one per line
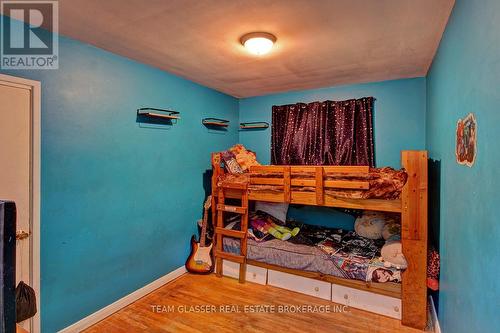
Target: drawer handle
<point>396,309</point>
<point>254,275</point>
<point>316,288</point>
<point>346,296</point>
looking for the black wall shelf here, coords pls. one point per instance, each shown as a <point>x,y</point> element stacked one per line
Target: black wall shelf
<point>215,122</point>
<point>254,125</point>
<point>155,116</point>
<point>159,113</point>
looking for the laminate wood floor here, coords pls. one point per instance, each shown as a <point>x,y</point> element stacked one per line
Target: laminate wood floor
<point>171,308</point>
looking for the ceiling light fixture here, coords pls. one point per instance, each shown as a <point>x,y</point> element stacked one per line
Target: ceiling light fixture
<point>258,43</point>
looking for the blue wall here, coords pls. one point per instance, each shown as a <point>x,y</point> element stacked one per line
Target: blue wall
<point>399,125</point>
<point>465,77</point>
<point>119,201</point>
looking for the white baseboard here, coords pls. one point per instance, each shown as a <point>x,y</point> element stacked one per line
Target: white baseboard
<point>434,318</point>
<point>122,302</point>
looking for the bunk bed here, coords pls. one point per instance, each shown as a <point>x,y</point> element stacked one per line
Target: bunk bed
<point>334,186</point>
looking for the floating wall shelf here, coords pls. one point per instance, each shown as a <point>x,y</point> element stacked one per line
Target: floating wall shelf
<point>158,113</point>
<point>254,125</point>
<point>215,122</point>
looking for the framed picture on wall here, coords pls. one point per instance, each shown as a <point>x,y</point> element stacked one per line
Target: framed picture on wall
<point>465,148</point>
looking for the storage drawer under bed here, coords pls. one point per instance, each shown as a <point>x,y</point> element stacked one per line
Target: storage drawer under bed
<point>254,274</point>
<point>364,300</point>
<point>299,284</point>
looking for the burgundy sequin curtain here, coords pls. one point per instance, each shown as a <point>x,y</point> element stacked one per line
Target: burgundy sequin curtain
<point>323,133</point>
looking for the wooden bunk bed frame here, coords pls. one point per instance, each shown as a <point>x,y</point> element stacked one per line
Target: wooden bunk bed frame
<point>412,206</point>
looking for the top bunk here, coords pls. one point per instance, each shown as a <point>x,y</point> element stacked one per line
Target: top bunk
<point>352,187</point>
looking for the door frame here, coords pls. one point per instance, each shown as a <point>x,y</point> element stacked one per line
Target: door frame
<point>35,117</point>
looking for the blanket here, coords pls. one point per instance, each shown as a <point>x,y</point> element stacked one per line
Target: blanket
<point>354,256</point>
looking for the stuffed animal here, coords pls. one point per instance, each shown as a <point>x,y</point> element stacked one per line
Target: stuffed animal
<point>376,225</point>
<point>267,226</point>
<point>392,255</point>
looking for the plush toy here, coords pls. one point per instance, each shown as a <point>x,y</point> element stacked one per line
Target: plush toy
<point>392,254</point>
<point>376,225</point>
<point>267,226</point>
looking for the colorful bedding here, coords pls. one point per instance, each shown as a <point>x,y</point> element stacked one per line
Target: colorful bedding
<point>385,183</point>
<point>329,251</point>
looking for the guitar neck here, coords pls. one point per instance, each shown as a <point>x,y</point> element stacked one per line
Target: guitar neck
<point>204,228</point>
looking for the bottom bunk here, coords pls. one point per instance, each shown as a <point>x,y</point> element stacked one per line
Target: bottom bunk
<point>326,254</point>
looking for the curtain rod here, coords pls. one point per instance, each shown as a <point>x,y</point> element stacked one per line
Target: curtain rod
<point>374,99</point>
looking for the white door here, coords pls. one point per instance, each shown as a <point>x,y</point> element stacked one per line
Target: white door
<point>15,167</point>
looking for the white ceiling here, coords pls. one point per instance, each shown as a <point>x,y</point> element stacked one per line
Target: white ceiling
<point>320,42</point>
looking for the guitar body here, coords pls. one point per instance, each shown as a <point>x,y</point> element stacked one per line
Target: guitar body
<point>200,259</point>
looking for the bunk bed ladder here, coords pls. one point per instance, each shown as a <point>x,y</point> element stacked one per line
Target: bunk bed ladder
<point>221,232</point>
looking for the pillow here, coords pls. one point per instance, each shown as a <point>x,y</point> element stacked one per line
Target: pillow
<point>230,162</point>
<point>244,157</point>
<point>370,225</point>
<point>277,210</point>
